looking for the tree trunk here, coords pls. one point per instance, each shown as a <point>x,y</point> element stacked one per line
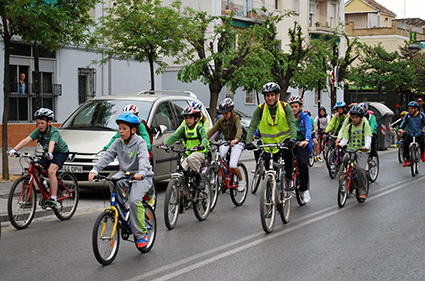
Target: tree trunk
<point>6,90</point>
<point>215,88</point>
<point>152,72</point>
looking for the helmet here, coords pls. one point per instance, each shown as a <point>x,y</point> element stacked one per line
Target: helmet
<point>226,105</point>
<point>196,104</point>
<point>340,104</point>
<point>403,113</point>
<point>413,104</point>
<point>270,87</point>
<point>192,111</point>
<point>352,104</point>
<point>322,108</point>
<point>294,99</point>
<point>131,108</point>
<point>362,104</point>
<point>44,112</point>
<point>128,118</point>
<point>357,110</point>
<point>308,112</point>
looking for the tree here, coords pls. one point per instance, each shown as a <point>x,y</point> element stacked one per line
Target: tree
<point>143,30</point>
<point>380,70</point>
<point>416,62</point>
<point>51,23</point>
<point>214,59</point>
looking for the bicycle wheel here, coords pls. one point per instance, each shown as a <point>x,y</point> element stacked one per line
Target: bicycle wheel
<point>239,197</point>
<point>150,224</point>
<point>284,209</point>
<point>68,196</point>
<point>343,190</point>
<point>202,201</point>
<point>21,203</point>
<point>400,153</point>
<point>418,160</point>
<point>412,151</point>
<point>171,204</point>
<point>373,163</point>
<point>300,198</point>
<point>332,167</point>
<point>105,238</point>
<point>258,174</point>
<point>311,160</point>
<point>267,206</point>
<point>213,175</point>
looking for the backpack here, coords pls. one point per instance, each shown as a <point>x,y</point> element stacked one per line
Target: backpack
<point>148,130</point>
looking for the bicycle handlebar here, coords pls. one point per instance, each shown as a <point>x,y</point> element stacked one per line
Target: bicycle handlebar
<point>129,178</point>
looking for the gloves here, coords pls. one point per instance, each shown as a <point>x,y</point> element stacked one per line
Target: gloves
<point>290,143</point>
<point>12,152</point>
<point>50,156</point>
<point>200,147</point>
<point>250,146</point>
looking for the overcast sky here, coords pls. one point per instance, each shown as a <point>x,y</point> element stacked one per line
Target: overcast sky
<point>414,8</point>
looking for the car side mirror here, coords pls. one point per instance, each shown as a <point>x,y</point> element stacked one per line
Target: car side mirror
<point>162,130</point>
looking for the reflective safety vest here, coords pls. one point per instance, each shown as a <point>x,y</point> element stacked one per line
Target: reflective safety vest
<point>274,131</point>
<point>192,137</point>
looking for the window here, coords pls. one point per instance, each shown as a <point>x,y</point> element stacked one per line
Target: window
<point>311,14</point>
<point>86,84</point>
<point>164,116</point>
<point>372,20</point>
<point>180,105</point>
<point>296,6</point>
<point>332,15</point>
<point>250,97</point>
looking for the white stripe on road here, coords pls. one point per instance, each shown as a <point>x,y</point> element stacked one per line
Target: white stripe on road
<point>260,238</point>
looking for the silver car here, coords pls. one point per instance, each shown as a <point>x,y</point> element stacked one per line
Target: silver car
<point>92,125</point>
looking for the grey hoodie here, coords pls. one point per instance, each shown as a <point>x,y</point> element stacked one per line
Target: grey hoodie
<point>133,157</point>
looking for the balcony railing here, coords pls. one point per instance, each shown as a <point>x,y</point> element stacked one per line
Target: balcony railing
<point>46,90</point>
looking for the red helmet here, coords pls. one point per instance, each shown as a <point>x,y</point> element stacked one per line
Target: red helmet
<point>192,111</point>
<point>226,105</point>
<point>131,108</point>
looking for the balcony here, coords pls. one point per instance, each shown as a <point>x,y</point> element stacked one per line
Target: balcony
<point>46,90</point>
<point>242,11</point>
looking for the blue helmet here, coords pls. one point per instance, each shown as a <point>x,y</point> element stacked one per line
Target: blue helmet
<point>413,104</point>
<point>128,118</point>
<point>340,104</point>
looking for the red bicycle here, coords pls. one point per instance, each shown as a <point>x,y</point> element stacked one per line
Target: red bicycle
<point>222,179</point>
<point>323,142</point>
<point>296,183</point>
<point>21,203</point>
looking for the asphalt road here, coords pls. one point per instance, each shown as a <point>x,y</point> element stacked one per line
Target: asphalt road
<point>382,239</point>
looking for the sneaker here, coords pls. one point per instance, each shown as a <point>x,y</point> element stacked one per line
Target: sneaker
<point>396,144</point>
<point>423,157</point>
<point>141,243</point>
<point>406,163</point>
<point>241,186</point>
<point>362,198</point>
<point>318,159</point>
<point>289,185</point>
<point>51,203</point>
<point>306,196</point>
<point>253,171</point>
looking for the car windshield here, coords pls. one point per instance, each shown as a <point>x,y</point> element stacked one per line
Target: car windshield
<point>101,114</point>
<point>242,114</point>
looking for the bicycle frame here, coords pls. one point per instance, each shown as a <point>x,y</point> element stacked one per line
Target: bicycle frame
<point>220,163</point>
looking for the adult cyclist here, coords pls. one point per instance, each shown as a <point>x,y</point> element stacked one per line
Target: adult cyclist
<point>276,123</point>
<point>416,122</point>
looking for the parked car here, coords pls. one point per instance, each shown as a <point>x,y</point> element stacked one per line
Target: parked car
<point>91,126</point>
<point>245,118</point>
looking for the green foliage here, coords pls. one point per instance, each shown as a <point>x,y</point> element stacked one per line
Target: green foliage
<point>416,62</point>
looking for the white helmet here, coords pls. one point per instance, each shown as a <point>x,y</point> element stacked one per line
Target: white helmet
<point>131,108</point>
<point>44,112</point>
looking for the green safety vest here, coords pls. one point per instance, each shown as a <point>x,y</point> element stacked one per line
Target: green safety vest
<point>274,131</point>
<point>192,138</point>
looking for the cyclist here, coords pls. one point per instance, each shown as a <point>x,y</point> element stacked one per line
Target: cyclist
<point>203,120</point>
<point>305,147</point>
<point>52,143</point>
<point>373,126</point>
<point>231,128</point>
<point>396,125</point>
<point>276,123</point>
<point>193,136</point>
<point>314,137</point>
<point>358,135</point>
<point>337,120</point>
<point>322,120</point>
<point>416,122</point>
<point>133,156</point>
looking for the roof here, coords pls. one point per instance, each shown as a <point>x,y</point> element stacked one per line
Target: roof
<point>413,21</point>
<point>375,5</point>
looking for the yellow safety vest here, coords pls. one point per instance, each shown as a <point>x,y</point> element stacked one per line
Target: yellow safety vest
<point>192,138</point>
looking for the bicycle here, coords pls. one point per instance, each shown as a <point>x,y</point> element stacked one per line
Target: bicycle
<point>21,203</point>
<point>348,180</point>
<point>334,159</point>
<point>415,155</point>
<point>106,229</point>
<point>323,143</point>
<point>373,167</point>
<point>400,150</point>
<point>259,170</point>
<point>273,194</point>
<point>296,182</point>
<point>182,193</point>
<point>223,179</point>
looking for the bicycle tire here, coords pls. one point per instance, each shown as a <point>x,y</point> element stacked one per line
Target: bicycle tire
<point>171,204</point>
<point>16,208</point>
<point>300,199</point>
<point>239,197</point>
<point>400,153</point>
<point>311,160</point>
<point>258,174</point>
<point>267,206</point>
<point>373,163</point>
<point>202,201</point>
<point>412,151</point>
<point>105,248</point>
<point>418,160</point>
<point>150,224</point>
<point>213,175</point>
<point>67,207</point>
<point>284,209</point>
<point>343,190</point>
<point>155,196</point>
<point>332,160</point>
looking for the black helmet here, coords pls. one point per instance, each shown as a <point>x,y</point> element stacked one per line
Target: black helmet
<point>357,110</point>
<point>270,87</point>
<point>322,108</point>
<point>44,112</point>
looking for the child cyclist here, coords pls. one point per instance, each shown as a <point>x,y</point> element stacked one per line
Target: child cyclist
<point>193,136</point>
<point>133,157</point>
<point>338,119</point>
<point>53,144</point>
<point>231,128</point>
<point>358,135</point>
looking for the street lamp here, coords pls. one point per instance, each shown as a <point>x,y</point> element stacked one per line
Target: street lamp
<point>414,47</point>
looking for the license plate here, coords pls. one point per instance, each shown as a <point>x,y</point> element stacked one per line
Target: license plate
<point>72,169</point>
